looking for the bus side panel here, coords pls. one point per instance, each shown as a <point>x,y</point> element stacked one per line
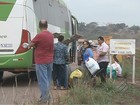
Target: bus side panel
<point>21,18</point>
<point>19,61</point>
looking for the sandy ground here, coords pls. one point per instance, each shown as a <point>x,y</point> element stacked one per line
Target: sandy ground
<point>17,89</point>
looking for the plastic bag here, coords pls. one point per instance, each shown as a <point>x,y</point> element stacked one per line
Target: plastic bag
<point>76,73</point>
<point>115,66</point>
<point>114,75</point>
<point>92,65</point>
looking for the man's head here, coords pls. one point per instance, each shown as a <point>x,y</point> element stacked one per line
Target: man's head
<point>43,24</point>
<point>60,38</point>
<point>100,40</point>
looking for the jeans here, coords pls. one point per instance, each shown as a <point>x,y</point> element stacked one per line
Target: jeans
<point>60,75</point>
<point>44,77</point>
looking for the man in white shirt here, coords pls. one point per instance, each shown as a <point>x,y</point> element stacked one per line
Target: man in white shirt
<point>103,60</point>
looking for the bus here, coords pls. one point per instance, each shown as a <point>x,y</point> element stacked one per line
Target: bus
<point>19,21</point>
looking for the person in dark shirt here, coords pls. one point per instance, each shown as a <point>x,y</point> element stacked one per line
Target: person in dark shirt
<point>59,64</point>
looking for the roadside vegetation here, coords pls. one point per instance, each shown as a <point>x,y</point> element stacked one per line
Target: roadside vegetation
<point>114,92</point>
<point>111,93</point>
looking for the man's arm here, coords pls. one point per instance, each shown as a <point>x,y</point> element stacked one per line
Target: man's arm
<point>31,44</point>
<point>28,45</point>
<point>102,53</point>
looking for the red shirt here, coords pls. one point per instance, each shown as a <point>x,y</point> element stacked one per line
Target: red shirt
<point>44,47</point>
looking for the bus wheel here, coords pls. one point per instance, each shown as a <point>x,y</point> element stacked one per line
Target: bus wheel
<point>1,76</point>
<point>32,75</point>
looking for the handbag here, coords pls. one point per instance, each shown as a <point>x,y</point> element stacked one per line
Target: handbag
<point>92,65</point>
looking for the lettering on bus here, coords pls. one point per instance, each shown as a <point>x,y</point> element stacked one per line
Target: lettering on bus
<point>6,45</point>
<point>3,36</point>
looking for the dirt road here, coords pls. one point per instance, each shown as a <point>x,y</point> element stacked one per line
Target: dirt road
<point>17,89</point>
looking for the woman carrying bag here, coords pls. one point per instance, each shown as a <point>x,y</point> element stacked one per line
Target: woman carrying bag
<point>87,53</point>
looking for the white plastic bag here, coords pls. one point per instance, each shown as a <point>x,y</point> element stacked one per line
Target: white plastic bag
<point>92,65</point>
<point>116,66</point>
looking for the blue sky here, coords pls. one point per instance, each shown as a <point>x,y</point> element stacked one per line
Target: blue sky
<point>106,11</point>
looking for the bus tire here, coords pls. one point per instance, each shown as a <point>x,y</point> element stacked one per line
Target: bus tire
<point>32,75</point>
<point>1,76</point>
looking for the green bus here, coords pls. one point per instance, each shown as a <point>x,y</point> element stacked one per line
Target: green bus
<point>19,24</point>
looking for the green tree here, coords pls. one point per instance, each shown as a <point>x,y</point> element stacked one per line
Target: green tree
<point>135,28</point>
<point>81,26</point>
